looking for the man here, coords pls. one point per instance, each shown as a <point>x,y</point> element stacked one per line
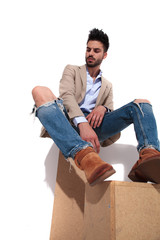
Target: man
<point>83,118</point>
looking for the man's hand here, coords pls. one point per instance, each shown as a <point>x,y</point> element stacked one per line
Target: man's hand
<point>96,116</point>
<point>89,135</point>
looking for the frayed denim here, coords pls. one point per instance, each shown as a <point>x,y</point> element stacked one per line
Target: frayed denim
<point>54,118</point>
<point>141,115</point>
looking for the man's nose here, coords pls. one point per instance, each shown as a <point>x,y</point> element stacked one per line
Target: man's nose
<point>91,52</point>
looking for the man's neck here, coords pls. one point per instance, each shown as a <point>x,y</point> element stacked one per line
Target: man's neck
<point>93,71</point>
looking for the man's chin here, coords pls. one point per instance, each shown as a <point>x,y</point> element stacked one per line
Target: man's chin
<point>91,64</point>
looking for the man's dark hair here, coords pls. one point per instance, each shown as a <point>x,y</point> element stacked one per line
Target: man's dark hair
<point>98,35</point>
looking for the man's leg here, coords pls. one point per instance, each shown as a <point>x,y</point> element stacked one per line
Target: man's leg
<point>52,115</point>
<point>138,112</point>
<point>42,95</point>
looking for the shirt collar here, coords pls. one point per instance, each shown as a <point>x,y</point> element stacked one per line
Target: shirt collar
<point>98,76</point>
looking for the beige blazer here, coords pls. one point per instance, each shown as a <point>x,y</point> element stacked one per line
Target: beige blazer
<point>72,90</point>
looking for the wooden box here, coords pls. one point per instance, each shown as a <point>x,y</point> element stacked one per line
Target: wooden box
<point>69,198</point>
<point>122,211</point>
<point>111,210</point>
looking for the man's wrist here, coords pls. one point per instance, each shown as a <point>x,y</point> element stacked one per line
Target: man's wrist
<point>78,120</point>
<point>83,123</point>
<point>107,109</point>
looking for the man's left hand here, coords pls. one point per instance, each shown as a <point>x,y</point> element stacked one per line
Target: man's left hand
<point>96,116</point>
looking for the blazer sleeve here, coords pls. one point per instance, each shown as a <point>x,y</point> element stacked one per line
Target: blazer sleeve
<point>108,102</point>
<point>105,96</point>
<point>67,89</point>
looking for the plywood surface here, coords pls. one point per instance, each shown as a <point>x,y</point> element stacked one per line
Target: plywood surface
<point>68,210</point>
<point>111,210</point>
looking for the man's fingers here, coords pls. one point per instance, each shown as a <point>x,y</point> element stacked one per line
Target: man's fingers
<point>96,121</point>
<point>97,144</point>
<point>93,120</point>
<point>96,116</point>
<point>99,122</point>
<point>94,145</point>
<point>89,117</point>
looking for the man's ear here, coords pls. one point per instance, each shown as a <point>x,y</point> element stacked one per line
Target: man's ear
<point>105,55</point>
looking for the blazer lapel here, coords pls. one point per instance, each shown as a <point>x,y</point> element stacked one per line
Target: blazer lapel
<point>83,76</point>
<point>103,87</point>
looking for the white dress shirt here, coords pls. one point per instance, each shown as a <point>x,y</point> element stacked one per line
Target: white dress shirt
<point>89,101</point>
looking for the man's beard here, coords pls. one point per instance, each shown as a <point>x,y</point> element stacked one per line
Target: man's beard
<point>93,64</point>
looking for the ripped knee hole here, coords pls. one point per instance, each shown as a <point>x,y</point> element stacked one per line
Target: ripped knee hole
<point>142,101</point>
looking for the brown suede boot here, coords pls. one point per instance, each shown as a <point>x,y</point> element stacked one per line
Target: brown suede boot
<point>147,168</point>
<point>94,168</point>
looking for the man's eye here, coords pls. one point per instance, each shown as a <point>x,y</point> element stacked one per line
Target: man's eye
<point>96,50</point>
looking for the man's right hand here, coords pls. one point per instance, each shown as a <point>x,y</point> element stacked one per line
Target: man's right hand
<point>89,135</point>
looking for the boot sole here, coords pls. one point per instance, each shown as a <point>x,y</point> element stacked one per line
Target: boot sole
<point>101,178</point>
<point>134,175</point>
<point>151,170</point>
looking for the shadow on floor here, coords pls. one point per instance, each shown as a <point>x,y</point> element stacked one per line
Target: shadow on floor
<point>117,154</point>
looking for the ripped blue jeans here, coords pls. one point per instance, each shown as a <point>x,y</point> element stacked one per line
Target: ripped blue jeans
<point>54,118</point>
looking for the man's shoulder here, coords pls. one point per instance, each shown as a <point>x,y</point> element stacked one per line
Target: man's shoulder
<point>74,67</point>
<point>106,81</point>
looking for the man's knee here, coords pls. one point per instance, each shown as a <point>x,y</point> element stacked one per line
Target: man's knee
<point>41,95</point>
<point>35,91</point>
<point>40,91</point>
<point>141,101</point>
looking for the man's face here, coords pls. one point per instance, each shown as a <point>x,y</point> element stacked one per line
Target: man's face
<point>95,53</point>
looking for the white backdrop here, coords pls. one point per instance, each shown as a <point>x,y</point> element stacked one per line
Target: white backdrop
<point>37,39</point>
